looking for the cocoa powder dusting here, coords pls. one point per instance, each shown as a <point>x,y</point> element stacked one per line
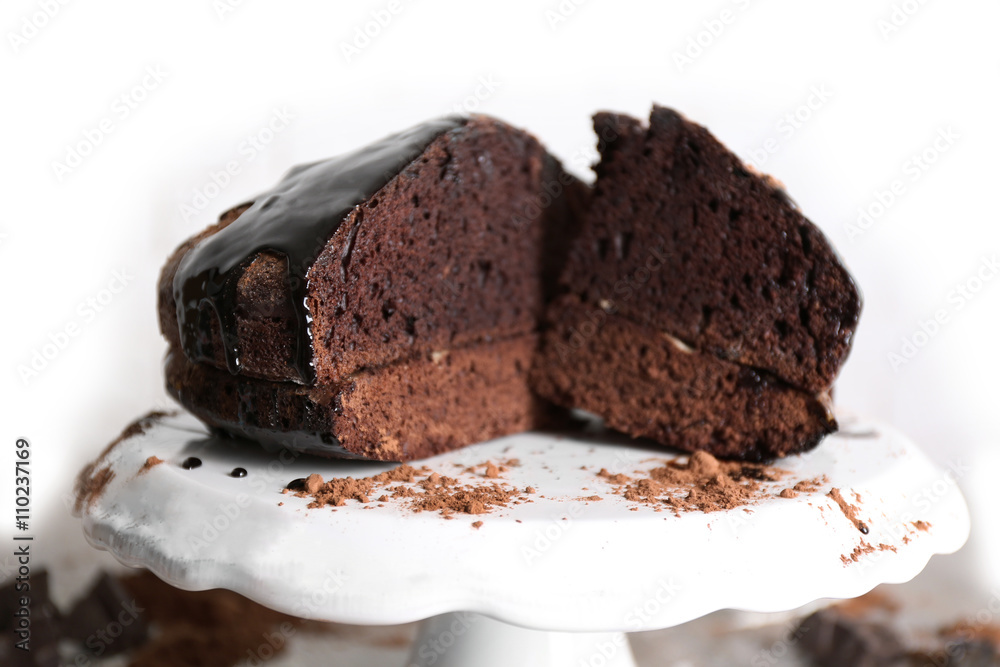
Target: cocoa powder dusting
<point>699,483</point>
<point>702,483</point>
<point>860,550</point>
<point>850,511</point>
<point>491,470</point>
<point>804,486</point>
<point>95,476</point>
<point>810,485</point>
<point>614,479</point>
<point>90,486</point>
<point>418,489</point>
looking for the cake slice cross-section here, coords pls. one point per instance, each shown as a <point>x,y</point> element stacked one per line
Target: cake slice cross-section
<point>698,306</point>
<point>383,304</point>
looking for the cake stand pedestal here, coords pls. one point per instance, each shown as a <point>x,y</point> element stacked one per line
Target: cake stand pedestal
<point>554,581</point>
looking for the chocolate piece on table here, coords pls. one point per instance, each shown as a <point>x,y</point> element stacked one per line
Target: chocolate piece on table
<point>107,620</point>
<point>831,640</point>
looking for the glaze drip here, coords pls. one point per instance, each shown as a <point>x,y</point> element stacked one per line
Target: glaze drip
<point>295,219</point>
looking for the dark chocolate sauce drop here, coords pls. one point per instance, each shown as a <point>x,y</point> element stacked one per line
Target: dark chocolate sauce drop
<point>238,472</point>
<point>295,219</point>
<point>191,462</point>
<point>298,484</point>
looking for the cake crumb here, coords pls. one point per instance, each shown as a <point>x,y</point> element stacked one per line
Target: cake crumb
<point>860,550</point>
<point>149,464</point>
<point>810,485</point>
<point>477,524</point>
<point>614,479</point>
<point>314,483</point>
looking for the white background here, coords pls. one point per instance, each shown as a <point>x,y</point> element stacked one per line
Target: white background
<point>881,92</point>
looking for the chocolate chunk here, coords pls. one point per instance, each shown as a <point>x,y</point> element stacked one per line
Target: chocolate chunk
<point>831,640</point>
<point>107,620</point>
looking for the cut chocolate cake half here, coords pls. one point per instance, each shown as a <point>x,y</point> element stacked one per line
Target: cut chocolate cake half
<point>383,304</point>
<point>699,307</point>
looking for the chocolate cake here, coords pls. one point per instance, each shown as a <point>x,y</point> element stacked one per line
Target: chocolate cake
<point>383,304</point>
<point>698,306</point>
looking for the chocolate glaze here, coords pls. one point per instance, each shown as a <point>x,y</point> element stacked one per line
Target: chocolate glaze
<point>191,462</point>
<point>295,219</point>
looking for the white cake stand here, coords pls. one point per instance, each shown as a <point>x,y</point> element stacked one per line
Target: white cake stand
<point>556,581</point>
